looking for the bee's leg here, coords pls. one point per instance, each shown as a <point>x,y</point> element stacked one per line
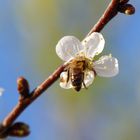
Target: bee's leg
<point>68,75</point>
<point>84,82</point>
<point>84,85</point>
<point>67,80</point>
<point>92,69</point>
<point>94,72</point>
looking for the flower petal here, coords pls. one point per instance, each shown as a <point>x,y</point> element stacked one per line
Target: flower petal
<point>106,66</point>
<point>68,47</point>
<point>89,77</point>
<point>63,81</point>
<point>1,91</point>
<point>93,44</point>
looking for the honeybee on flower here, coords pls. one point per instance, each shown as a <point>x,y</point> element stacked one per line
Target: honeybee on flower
<point>81,68</point>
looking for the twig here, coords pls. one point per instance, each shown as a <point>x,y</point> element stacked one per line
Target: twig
<point>109,13</point>
<point>23,104</point>
<point>27,98</point>
<point>112,10</point>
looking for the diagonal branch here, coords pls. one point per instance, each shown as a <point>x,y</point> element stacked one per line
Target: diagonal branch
<point>23,104</point>
<point>25,101</point>
<point>109,13</point>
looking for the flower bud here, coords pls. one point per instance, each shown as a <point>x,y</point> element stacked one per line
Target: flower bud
<point>127,9</point>
<point>19,129</point>
<point>23,87</point>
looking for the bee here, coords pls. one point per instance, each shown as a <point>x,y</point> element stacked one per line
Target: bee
<point>76,72</point>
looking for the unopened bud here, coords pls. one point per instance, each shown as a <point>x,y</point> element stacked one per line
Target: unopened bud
<point>19,129</point>
<point>127,9</point>
<point>23,87</point>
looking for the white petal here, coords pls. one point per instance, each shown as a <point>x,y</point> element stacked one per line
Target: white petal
<point>68,47</point>
<point>88,79</point>
<point>63,81</point>
<point>106,66</point>
<point>1,91</point>
<point>93,44</point>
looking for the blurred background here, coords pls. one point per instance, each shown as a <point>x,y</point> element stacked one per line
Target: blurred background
<point>109,109</point>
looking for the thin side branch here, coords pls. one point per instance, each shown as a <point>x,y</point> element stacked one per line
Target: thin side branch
<point>27,98</point>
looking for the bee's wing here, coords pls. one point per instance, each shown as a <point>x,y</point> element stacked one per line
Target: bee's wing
<point>88,78</point>
<point>106,66</point>
<point>68,47</point>
<point>93,44</point>
<point>63,81</point>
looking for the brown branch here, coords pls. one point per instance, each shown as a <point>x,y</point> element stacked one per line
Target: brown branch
<point>27,98</point>
<point>109,13</point>
<point>112,10</point>
<point>23,104</point>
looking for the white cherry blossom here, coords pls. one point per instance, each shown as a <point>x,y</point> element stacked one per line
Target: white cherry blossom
<point>70,48</point>
<point>1,91</point>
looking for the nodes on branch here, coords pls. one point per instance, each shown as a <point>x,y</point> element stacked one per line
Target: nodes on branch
<point>23,87</point>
